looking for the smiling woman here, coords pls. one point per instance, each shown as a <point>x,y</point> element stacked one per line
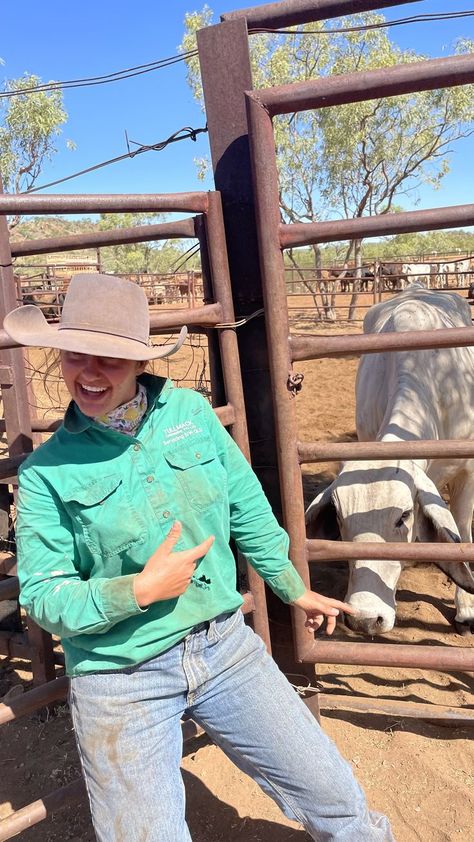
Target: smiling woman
<point>99,384</point>
<point>125,517</point>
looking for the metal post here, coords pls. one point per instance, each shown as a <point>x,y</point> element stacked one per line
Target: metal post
<point>18,431</point>
<point>226,75</point>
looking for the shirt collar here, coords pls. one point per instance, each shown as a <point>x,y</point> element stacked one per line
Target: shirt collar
<point>157,389</point>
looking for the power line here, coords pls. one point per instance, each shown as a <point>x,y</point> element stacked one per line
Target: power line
<point>189,133</point>
<point>127,73</point>
<point>140,69</point>
<point>369,26</point>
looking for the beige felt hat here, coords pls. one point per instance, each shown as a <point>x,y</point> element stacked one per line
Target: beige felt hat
<point>102,315</point>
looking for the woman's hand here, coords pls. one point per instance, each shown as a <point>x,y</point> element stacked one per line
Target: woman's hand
<point>317,607</point>
<point>166,575</point>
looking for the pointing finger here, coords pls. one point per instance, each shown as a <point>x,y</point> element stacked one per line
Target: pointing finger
<point>201,549</point>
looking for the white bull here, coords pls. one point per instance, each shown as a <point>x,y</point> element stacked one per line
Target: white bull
<point>406,395</point>
<point>420,273</point>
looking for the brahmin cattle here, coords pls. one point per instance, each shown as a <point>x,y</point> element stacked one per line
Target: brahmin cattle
<point>404,395</point>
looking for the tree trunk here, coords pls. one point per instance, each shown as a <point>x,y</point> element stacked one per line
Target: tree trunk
<point>357,277</point>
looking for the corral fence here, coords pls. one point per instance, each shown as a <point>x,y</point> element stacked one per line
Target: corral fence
<point>329,286</point>
<point>215,318</point>
<point>46,285</point>
<point>258,192</point>
<point>243,155</point>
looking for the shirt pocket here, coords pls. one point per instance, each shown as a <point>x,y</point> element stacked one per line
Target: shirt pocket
<point>105,516</point>
<point>198,471</point>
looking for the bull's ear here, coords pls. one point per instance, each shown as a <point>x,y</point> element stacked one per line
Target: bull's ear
<point>434,521</point>
<point>321,518</point>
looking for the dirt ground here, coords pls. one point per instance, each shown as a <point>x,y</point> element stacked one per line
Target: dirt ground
<point>420,773</point>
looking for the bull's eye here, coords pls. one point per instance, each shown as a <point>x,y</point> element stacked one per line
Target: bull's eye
<point>404,517</point>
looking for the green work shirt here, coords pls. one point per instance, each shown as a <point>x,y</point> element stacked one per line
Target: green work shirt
<point>95,503</point>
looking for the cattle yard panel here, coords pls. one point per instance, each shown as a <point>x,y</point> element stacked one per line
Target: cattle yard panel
<point>208,229</point>
<point>273,237</point>
<point>213,318</point>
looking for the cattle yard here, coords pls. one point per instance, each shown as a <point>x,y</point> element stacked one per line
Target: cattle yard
<point>399,689</point>
<point>420,772</point>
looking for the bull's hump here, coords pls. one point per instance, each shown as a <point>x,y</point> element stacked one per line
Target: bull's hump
<point>418,309</point>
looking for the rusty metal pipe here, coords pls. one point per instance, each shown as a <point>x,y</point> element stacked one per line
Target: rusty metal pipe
<point>318,550</point>
<point>38,810</point>
<point>328,451</point>
<point>305,233</point>
<point>208,315</point>
<point>276,316</point>
<point>293,12</point>
<point>33,700</point>
<point>399,709</point>
<point>93,239</point>
<point>313,347</point>
<point>219,267</point>
<point>362,86</point>
<point>388,655</point>
<point>25,203</point>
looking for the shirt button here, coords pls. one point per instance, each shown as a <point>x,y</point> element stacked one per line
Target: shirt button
<point>166,514</point>
<point>150,478</point>
<point>136,447</point>
<point>197,455</point>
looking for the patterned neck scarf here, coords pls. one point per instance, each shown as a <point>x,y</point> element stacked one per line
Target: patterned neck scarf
<point>126,418</point>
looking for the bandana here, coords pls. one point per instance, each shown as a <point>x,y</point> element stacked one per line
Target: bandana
<point>126,418</point>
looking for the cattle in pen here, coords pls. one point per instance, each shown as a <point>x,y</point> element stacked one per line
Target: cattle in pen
<point>401,396</point>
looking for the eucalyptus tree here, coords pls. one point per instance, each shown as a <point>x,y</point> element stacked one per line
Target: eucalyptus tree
<point>30,122</point>
<point>358,159</point>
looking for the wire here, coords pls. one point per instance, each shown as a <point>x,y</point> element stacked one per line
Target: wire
<point>190,252</point>
<point>365,27</point>
<point>241,321</point>
<point>128,73</point>
<point>157,147</point>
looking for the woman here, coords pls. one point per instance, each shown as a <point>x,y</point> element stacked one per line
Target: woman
<point>124,521</point>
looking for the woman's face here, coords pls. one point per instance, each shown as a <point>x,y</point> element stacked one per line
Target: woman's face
<point>99,384</point>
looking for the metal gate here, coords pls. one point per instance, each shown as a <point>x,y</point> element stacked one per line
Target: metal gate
<point>273,237</point>
<point>215,318</point>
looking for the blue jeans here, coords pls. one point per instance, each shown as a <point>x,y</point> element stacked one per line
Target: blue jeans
<point>128,731</point>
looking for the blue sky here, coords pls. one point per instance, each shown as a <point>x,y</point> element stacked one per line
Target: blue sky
<point>65,41</point>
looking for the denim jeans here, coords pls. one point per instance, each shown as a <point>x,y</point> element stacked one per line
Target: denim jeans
<point>128,730</point>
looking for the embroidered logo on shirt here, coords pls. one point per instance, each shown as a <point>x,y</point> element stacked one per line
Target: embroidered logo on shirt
<point>180,431</point>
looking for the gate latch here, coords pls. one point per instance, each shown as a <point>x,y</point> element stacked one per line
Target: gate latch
<point>295,382</point>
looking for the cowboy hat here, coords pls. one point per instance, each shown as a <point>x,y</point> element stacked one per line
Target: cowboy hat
<point>102,315</point>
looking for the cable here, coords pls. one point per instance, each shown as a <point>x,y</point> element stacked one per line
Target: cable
<point>190,252</point>
<point>365,27</point>
<point>140,69</point>
<point>241,321</point>
<point>157,147</point>
<point>101,80</point>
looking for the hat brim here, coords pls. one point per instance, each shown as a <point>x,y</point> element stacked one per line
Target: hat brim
<point>28,326</point>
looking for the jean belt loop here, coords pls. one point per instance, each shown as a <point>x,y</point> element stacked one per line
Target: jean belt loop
<point>211,631</point>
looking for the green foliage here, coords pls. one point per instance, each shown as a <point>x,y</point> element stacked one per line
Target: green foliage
<point>29,126</point>
<point>358,159</point>
<point>159,256</point>
<point>419,245</point>
<point>155,256</point>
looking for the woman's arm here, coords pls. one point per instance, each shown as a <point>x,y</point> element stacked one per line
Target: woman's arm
<point>51,589</point>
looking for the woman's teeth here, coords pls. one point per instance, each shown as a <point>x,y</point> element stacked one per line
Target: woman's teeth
<point>93,388</point>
